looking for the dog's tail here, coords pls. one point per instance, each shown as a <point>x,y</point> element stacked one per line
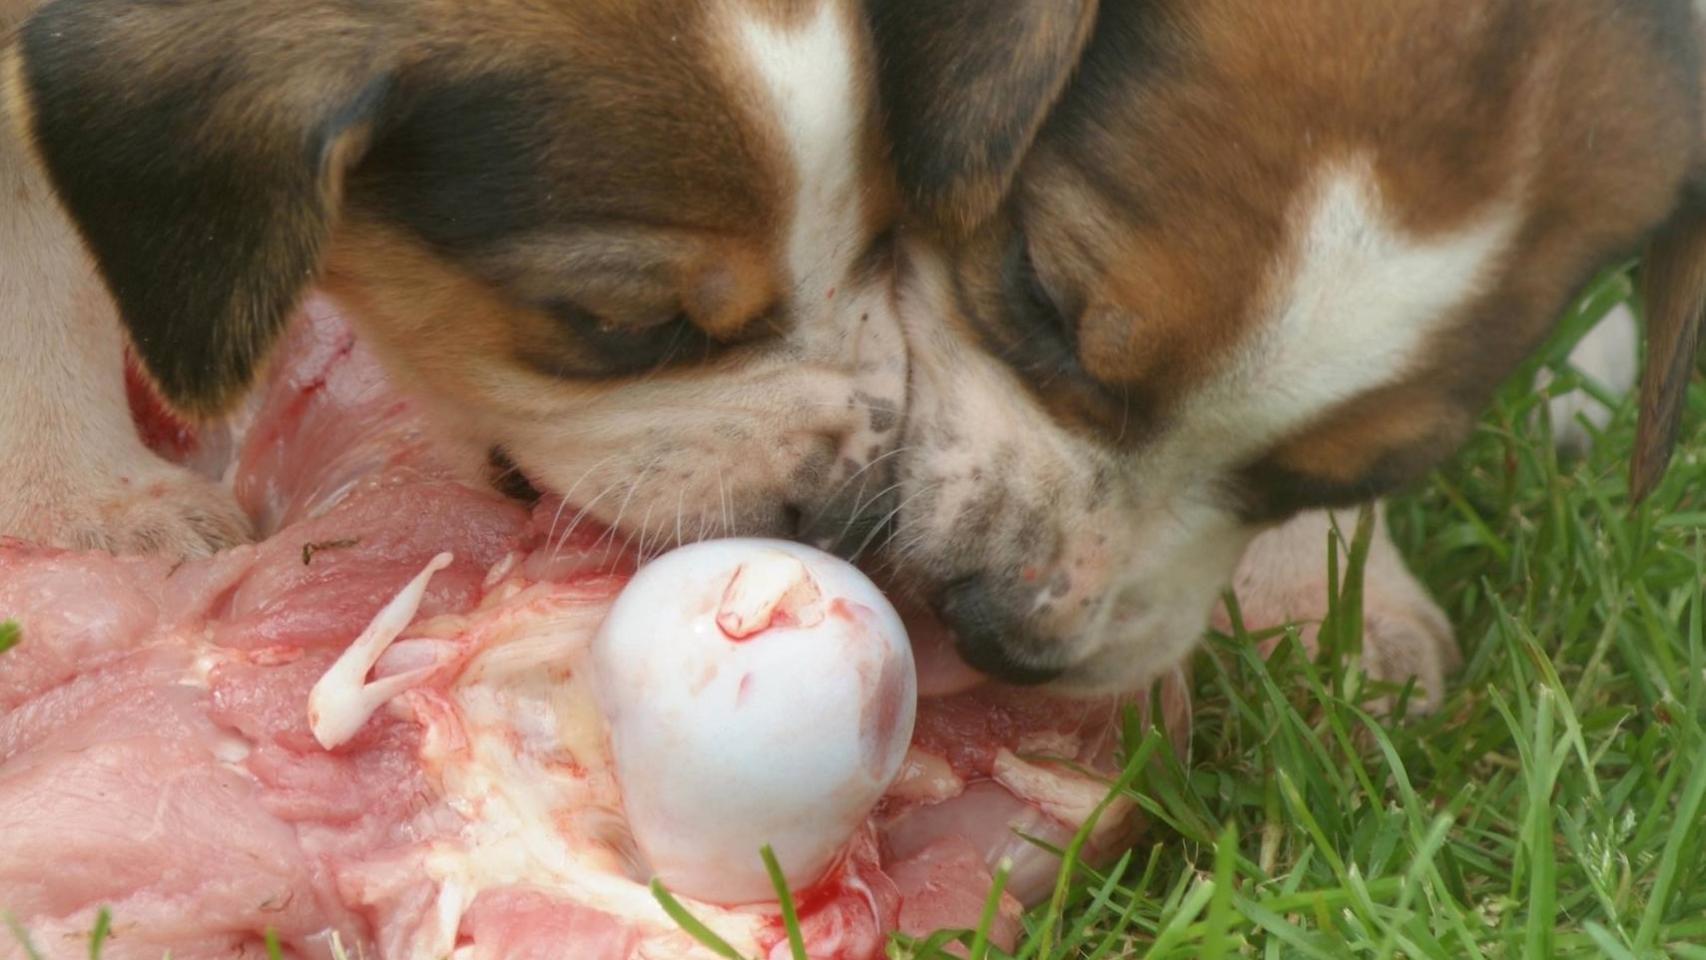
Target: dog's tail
<point>1673,285</point>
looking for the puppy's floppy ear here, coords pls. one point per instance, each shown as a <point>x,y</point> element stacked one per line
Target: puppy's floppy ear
<point>966,85</point>
<point>1673,284</point>
<point>200,148</point>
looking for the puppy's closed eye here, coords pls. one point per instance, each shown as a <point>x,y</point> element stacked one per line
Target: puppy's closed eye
<point>612,346</point>
<point>1035,304</point>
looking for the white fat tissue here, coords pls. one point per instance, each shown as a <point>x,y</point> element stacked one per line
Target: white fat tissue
<point>759,693</point>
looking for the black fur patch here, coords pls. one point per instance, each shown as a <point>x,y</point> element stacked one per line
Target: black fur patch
<point>966,84</point>
<point>1271,493</point>
<point>457,164</point>
<point>205,235</point>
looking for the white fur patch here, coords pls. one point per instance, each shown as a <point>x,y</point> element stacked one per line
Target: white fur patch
<point>808,71</point>
<point>1360,302</point>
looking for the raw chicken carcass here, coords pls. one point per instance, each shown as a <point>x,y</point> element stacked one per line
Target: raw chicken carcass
<point>157,755</point>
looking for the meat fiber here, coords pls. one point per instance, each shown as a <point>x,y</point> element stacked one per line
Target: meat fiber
<point>156,756</point>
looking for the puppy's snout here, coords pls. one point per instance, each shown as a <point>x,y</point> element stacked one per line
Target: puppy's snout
<point>992,630</point>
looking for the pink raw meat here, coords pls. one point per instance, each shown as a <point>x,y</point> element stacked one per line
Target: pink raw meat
<point>156,756</point>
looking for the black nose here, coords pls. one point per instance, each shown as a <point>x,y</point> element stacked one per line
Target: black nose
<point>988,630</point>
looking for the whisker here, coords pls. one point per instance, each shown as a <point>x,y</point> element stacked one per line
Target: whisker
<point>859,508</point>
<point>645,530</point>
<point>842,488</point>
<point>574,524</point>
<point>904,549</point>
<point>680,503</point>
<point>616,525</point>
<point>564,499</point>
<point>889,518</point>
<point>723,502</point>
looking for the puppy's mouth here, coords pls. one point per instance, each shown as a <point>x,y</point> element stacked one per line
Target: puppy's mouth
<point>935,645</point>
<point>508,479</point>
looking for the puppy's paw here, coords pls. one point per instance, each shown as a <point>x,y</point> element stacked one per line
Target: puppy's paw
<point>148,507</point>
<point>1283,580</point>
<point>1407,637</point>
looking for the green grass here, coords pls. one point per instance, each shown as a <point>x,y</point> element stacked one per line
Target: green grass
<point>1552,807</point>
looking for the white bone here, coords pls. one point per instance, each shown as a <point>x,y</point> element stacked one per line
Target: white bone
<point>342,700</point>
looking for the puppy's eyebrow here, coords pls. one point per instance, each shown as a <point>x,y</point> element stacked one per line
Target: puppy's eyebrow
<point>591,244</point>
<point>644,255</point>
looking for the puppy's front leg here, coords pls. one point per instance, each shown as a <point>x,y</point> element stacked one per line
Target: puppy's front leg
<point>1282,579</point>
<point>73,471</point>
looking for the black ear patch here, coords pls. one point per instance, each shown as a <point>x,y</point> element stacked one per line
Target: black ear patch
<point>966,85</point>
<point>200,151</point>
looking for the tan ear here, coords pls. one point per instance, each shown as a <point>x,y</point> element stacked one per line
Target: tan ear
<point>200,149</point>
<point>966,85</point>
<point>1673,284</point>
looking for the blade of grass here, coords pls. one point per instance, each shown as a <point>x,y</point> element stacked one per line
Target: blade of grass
<point>1063,880</point>
<point>1607,944</point>
<point>991,907</point>
<point>691,925</point>
<point>1686,825</point>
<point>1216,940</point>
<point>23,937</point>
<point>785,897</point>
<point>98,936</point>
<point>1537,832</point>
<point>1177,928</point>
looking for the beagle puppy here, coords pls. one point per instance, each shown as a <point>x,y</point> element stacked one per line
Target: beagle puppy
<point>1181,269</point>
<point>633,251</point>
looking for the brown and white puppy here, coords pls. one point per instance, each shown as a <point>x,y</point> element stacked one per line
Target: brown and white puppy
<point>636,249</point>
<point>1188,267</point>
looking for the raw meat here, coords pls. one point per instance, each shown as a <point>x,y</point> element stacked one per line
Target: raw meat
<point>156,755</point>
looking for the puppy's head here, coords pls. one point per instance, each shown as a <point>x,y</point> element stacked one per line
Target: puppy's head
<point>1232,260</point>
<point>635,248</point>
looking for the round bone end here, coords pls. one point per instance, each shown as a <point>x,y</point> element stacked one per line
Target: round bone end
<point>758,693</point>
